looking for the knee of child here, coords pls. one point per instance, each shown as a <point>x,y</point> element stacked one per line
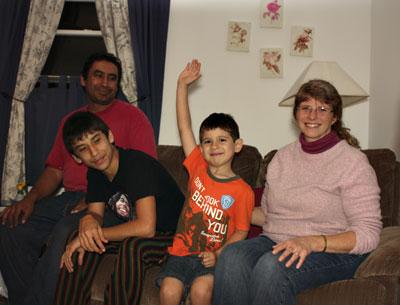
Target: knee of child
<point>201,290</point>
<point>171,289</point>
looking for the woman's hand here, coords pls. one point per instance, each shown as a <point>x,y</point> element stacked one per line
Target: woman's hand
<point>297,249</point>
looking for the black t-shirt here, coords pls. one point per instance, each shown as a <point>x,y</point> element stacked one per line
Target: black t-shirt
<point>138,176</point>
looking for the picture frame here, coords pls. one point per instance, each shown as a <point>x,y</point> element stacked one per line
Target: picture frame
<point>271,63</point>
<point>238,38</point>
<point>271,13</point>
<point>302,41</point>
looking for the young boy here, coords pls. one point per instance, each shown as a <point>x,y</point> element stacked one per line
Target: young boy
<point>129,193</point>
<point>218,206</point>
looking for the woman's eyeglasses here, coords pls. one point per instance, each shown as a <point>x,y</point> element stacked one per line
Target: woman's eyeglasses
<point>320,110</point>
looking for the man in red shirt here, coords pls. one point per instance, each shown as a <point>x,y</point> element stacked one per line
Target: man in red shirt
<point>40,218</point>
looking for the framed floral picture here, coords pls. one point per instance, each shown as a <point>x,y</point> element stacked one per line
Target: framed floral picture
<point>302,41</point>
<point>238,36</point>
<point>271,63</point>
<point>271,13</point>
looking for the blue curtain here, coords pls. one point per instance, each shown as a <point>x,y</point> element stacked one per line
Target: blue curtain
<point>13,17</point>
<point>149,29</point>
<point>46,106</point>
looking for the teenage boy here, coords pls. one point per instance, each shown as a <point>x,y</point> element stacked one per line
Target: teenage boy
<point>129,195</point>
<point>218,207</point>
<point>29,273</point>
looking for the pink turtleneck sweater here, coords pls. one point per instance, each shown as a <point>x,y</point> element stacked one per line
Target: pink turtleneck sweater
<point>324,193</point>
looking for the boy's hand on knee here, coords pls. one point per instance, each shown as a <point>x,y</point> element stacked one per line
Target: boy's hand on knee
<point>66,259</point>
<point>91,235</point>
<point>209,259</point>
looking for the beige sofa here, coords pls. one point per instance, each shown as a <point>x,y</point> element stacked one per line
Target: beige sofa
<point>377,280</point>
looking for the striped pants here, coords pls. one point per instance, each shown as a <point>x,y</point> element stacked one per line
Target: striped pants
<point>135,255</point>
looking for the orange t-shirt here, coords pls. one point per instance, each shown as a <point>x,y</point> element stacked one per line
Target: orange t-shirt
<point>214,209</point>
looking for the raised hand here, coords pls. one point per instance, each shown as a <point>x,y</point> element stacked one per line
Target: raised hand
<point>190,73</point>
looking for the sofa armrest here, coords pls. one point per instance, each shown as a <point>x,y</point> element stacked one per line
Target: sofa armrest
<point>385,259</point>
<point>346,292</point>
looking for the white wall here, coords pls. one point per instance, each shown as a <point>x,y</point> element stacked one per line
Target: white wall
<point>230,81</point>
<point>385,76</point>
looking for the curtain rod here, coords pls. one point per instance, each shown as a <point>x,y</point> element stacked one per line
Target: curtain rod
<point>81,33</point>
<point>56,78</point>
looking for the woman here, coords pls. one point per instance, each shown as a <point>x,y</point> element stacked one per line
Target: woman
<point>320,211</point>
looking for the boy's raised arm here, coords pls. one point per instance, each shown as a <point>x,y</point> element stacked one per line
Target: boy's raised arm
<point>190,74</point>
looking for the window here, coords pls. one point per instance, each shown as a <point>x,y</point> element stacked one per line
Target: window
<point>78,35</point>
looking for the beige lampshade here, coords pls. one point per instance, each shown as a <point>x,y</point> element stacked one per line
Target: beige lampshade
<point>330,71</point>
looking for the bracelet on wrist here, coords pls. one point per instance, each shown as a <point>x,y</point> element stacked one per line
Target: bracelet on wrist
<point>325,243</point>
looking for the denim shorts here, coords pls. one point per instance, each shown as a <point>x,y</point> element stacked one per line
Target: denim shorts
<point>184,268</point>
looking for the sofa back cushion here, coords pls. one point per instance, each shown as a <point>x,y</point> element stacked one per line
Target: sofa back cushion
<point>387,171</point>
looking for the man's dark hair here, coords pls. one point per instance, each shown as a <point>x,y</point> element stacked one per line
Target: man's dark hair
<point>102,57</point>
<point>220,120</point>
<point>79,124</point>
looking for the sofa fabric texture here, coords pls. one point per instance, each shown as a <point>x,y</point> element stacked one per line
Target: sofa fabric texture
<point>377,280</point>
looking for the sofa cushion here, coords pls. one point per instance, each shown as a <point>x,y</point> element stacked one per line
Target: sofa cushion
<point>247,164</point>
<point>387,172</point>
<point>384,260</point>
<point>171,157</point>
<point>386,175</point>
<point>346,292</point>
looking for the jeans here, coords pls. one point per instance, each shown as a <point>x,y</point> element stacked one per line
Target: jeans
<point>30,275</point>
<point>185,269</point>
<point>248,273</point>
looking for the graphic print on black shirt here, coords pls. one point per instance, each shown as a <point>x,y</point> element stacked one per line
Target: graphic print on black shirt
<point>120,205</point>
